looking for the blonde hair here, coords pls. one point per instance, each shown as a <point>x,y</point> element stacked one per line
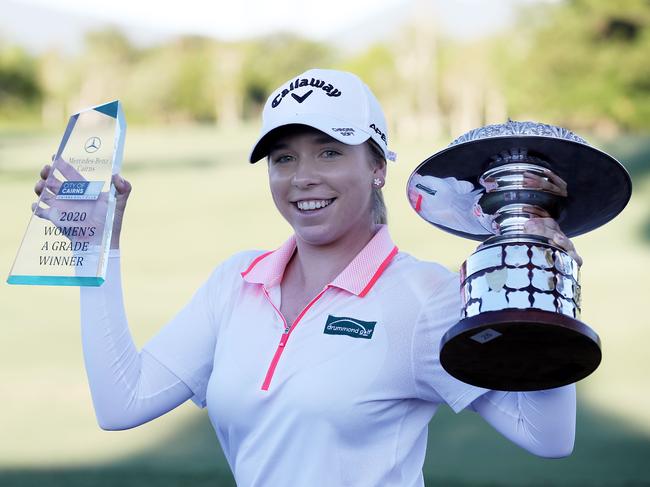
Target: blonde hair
<point>379,212</point>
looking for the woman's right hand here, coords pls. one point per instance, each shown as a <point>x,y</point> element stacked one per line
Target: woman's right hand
<point>50,184</point>
<point>122,192</point>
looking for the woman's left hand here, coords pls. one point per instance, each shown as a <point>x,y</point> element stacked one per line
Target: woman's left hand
<point>543,224</point>
<point>548,227</point>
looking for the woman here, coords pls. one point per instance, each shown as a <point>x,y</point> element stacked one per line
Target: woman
<point>317,361</point>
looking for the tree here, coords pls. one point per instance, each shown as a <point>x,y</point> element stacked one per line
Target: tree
<point>19,88</point>
<point>583,63</point>
<point>271,60</point>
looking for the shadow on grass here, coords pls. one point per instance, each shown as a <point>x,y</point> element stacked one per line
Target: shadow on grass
<point>113,477</point>
<point>465,448</point>
<point>463,451</point>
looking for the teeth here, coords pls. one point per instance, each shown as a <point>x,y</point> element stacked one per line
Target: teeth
<point>313,204</point>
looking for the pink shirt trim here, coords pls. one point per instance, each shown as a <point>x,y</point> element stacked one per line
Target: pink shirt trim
<point>357,278</point>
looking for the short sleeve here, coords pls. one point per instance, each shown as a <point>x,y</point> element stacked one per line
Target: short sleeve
<point>432,383</point>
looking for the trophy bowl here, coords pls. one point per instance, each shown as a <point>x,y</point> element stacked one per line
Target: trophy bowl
<point>519,327</point>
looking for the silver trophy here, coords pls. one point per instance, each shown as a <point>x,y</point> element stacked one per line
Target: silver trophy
<point>519,327</point>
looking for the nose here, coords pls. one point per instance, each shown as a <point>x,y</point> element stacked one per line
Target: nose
<point>306,174</point>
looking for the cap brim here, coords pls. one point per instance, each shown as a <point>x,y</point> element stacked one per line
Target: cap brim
<point>341,131</point>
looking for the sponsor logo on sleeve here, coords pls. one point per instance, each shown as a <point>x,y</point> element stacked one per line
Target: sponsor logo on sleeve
<point>352,327</point>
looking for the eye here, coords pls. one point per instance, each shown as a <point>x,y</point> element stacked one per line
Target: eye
<point>330,153</point>
<point>281,158</point>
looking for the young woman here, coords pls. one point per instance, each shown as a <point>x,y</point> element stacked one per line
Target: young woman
<point>317,361</point>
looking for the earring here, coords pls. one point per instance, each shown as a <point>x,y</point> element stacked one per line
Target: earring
<point>378,182</point>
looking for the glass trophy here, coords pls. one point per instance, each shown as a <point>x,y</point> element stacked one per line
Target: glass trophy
<point>69,233</point>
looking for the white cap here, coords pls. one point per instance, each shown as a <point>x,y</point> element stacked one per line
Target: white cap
<point>337,103</point>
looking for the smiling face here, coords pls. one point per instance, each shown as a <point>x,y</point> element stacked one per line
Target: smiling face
<point>323,187</point>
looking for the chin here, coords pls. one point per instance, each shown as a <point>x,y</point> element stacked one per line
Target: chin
<point>316,235</point>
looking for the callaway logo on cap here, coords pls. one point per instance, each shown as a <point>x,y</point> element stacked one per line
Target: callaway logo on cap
<point>337,103</point>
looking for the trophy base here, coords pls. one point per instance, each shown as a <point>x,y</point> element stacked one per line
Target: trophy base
<point>56,280</point>
<point>520,350</point>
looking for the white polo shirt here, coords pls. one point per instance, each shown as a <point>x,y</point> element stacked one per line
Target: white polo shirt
<point>341,397</point>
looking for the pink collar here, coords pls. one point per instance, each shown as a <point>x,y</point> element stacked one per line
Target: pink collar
<point>357,278</point>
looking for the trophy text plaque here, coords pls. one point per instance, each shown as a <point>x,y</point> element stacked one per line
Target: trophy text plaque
<point>69,233</point>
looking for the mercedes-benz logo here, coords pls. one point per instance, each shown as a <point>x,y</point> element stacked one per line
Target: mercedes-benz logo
<point>93,144</point>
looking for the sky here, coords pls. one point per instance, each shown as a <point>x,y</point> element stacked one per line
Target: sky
<point>226,19</point>
<point>36,24</point>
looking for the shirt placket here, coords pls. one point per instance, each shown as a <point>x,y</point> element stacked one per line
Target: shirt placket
<point>288,329</point>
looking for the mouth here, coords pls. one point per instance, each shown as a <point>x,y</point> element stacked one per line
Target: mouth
<point>314,205</point>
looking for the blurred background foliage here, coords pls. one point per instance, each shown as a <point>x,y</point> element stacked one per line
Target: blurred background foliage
<point>579,63</point>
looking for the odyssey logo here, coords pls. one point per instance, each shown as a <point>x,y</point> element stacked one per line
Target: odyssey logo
<point>352,327</point>
<point>93,144</point>
<point>328,88</point>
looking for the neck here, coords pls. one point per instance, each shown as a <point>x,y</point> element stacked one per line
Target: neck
<point>317,265</point>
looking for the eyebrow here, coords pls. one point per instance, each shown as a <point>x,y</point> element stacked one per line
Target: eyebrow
<point>319,139</point>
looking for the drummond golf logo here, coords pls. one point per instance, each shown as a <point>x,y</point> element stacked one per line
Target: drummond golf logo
<point>337,325</point>
<point>93,144</point>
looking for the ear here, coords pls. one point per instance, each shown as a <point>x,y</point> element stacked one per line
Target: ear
<point>379,171</point>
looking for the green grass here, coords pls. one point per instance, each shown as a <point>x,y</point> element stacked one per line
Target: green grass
<point>196,201</point>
